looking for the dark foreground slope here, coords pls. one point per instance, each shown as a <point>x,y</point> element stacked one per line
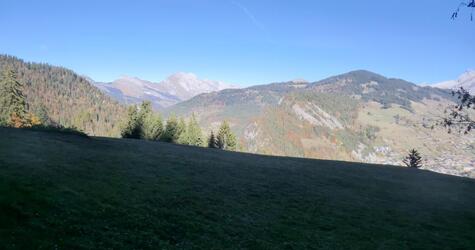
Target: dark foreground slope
<point>68,192</point>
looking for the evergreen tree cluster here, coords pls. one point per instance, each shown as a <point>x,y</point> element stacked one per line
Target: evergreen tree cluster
<point>143,123</point>
<point>55,96</point>
<point>225,139</point>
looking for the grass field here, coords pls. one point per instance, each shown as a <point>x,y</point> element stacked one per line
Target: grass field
<point>62,191</point>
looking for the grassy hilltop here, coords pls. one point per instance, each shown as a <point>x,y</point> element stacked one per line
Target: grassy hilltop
<point>60,191</point>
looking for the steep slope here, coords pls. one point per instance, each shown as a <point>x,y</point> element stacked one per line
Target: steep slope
<point>466,80</point>
<point>176,88</point>
<point>66,98</point>
<point>99,193</point>
<point>358,116</point>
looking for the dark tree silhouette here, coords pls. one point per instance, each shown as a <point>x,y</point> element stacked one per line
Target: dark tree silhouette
<point>212,142</point>
<point>413,159</point>
<point>469,4</point>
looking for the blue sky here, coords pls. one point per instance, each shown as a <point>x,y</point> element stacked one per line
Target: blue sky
<point>242,41</point>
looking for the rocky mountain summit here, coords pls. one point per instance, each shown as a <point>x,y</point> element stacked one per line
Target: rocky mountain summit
<point>176,88</point>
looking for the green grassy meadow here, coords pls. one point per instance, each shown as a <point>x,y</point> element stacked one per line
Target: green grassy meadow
<point>63,191</point>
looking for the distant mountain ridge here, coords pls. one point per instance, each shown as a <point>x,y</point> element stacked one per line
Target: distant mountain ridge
<point>356,116</point>
<point>466,80</point>
<point>176,88</point>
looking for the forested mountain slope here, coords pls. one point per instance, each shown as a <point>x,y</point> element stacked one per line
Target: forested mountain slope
<point>66,98</point>
<point>357,116</point>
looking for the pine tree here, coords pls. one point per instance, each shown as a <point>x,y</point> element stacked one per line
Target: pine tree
<point>151,122</point>
<point>231,142</point>
<point>413,160</point>
<point>194,136</point>
<point>226,139</point>
<point>133,126</point>
<point>12,101</point>
<point>212,142</point>
<point>182,132</point>
<point>170,134</point>
<point>181,135</point>
<point>221,140</point>
<point>152,127</point>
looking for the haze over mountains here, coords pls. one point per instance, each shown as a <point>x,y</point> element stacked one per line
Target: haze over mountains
<point>176,88</point>
<point>466,80</point>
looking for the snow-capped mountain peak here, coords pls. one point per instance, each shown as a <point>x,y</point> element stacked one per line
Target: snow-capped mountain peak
<point>187,85</point>
<point>178,87</point>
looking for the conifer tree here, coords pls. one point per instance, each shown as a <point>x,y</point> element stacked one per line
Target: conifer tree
<point>194,136</point>
<point>231,142</point>
<point>413,159</point>
<point>212,142</point>
<point>170,134</point>
<point>226,139</point>
<point>181,127</point>
<point>133,126</point>
<point>152,126</point>
<point>12,101</point>
<point>181,135</point>
<point>220,140</point>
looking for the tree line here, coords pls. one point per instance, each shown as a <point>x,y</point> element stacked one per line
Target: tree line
<point>143,123</point>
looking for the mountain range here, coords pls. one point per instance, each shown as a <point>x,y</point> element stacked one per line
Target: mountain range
<point>357,116</point>
<point>176,88</point>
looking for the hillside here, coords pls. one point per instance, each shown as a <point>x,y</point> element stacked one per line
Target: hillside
<point>69,192</point>
<point>66,98</point>
<point>358,116</point>
<point>176,88</point>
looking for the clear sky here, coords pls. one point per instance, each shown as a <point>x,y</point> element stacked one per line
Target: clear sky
<point>242,41</point>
